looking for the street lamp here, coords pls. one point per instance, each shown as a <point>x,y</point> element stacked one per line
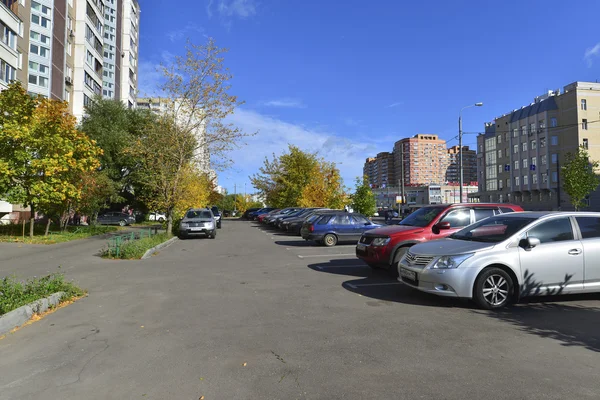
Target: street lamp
<point>460,148</point>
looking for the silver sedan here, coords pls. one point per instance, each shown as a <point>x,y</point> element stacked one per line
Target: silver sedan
<point>500,259</point>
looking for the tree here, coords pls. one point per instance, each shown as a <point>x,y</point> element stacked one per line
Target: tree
<point>97,192</point>
<point>363,199</point>
<point>325,188</point>
<point>43,156</point>
<point>196,189</point>
<point>197,86</point>
<point>579,177</point>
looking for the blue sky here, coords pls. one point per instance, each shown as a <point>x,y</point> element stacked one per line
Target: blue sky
<point>349,78</point>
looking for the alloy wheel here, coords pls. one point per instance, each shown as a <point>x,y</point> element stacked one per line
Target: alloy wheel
<point>495,290</point>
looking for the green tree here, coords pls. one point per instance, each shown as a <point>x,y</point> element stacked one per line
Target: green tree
<point>363,199</point>
<point>579,177</point>
<point>43,156</point>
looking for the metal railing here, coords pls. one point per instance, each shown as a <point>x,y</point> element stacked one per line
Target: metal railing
<point>115,243</point>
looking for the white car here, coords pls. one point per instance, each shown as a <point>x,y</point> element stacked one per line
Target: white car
<point>156,216</point>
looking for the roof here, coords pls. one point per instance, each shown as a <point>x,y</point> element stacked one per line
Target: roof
<point>533,109</point>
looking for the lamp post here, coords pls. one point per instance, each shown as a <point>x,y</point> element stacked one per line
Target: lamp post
<point>460,148</point>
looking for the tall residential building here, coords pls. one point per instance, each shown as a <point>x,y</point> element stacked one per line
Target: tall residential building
<point>469,165</point>
<point>423,159</point>
<point>12,28</point>
<point>129,52</point>
<point>111,74</point>
<point>380,170</point>
<point>520,154</point>
<point>41,47</point>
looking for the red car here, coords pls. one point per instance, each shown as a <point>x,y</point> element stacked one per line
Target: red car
<point>261,217</point>
<point>384,247</point>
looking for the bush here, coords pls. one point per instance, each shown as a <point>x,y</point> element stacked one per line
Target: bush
<point>14,293</point>
<point>135,249</point>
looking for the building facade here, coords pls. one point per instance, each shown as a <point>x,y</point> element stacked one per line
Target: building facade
<point>520,154</point>
<point>12,41</point>
<point>469,165</point>
<point>419,195</point>
<point>380,170</point>
<point>129,52</point>
<point>111,74</point>
<point>422,159</point>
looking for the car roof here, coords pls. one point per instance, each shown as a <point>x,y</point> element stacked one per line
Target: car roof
<point>548,214</point>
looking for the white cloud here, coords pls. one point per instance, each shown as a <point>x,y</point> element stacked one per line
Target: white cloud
<point>274,135</point>
<point>591,53</point>
<point>399,103</point>
<point>184,33</point>
<point>232,8</point>
<point>284,103</point>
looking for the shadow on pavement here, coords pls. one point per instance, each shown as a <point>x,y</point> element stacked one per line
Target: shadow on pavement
<point>571,325</point>
<point>347,267</point>
<point>297,243</point>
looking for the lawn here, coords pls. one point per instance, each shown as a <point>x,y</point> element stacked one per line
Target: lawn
<point>15,294</point>
<point>135,249</point>
<point>14,233</point>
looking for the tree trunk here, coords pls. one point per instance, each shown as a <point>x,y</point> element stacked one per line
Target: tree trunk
<point>48,226</point>
<point>31,221</point>
<point>169,222</point>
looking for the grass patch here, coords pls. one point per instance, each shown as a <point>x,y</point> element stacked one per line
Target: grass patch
<point>14,233</point>
<point>15,293</point>
<point>135,249</point>
<point>149,223</point>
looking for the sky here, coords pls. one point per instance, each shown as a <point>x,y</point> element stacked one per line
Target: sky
<point>349,78</point>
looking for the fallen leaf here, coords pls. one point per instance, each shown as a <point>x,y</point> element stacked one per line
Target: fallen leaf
<point>142,326</point>
<point>201,398</point>
<point>244,364</point>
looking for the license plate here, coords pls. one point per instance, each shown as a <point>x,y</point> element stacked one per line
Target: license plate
<point>195,229</point>
<point>361,247</point>
<point>408,274</point>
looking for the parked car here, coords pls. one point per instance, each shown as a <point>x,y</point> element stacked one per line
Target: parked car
<point>384,247</point>
<point>115,218</point>
<point>294,224</point>
<point>332,228</point>
<point>156,216</point>
<point>198,222</point>
<point>500,259</point>
<point>270,219</point>
<point>217,214</point>
<point>301,213</point>
<point>246,214</point>
<point>262,211</point>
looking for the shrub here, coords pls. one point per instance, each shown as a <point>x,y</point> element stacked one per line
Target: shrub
<point>135,249</point>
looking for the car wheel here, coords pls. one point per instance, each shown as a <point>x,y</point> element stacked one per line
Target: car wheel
<point>330,240</point>
<point>182,237</point>
<point>213,235</point>
<point>219,225</point>
<point>122,223</point>
<point>161,220</point>
<point>493,289</point>
<point>397,257</point>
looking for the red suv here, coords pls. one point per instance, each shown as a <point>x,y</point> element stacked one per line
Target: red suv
<point>384,247</point>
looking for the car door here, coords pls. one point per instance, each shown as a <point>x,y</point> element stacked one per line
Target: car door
<point>360,224</point>
<point>555,266</point>
<point>344,227</point>
<point>589,228</point>
<point>458,219</point>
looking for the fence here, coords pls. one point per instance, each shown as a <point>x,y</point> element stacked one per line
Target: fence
<point>115,243</point>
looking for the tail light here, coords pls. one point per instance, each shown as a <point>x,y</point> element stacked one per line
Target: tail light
<point>311,228</point>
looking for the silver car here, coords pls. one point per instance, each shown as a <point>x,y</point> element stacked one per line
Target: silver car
<point>198,222</point>
<point>502,258</point>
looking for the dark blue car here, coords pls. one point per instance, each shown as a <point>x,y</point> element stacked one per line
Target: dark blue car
<point>261,211</point>
<point>333,228</point>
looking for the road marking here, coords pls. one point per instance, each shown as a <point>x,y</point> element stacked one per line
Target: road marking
<point>326,255</point>
<point>312,247</point>
<point>321,267</point>
<point>356,286</point>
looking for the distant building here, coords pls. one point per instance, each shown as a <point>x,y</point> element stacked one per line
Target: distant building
<point>469,165</point>
<point>422,158</point>
<point>418,195</point>
<point>380,170</point>
<point>520,154</point>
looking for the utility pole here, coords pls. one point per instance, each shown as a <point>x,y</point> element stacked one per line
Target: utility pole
<point>234,197</point>
<point>460,148</point>
<point>557,182</point>
<point>402,181</point>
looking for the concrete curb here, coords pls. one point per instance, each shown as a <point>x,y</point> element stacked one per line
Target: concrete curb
<point>18,317</point>
<point>161,246</point>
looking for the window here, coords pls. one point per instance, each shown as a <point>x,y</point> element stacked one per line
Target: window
<point>533,160</point>
<point>584,124</point>
<point>499,153</point>
<point>508,182</point>
<point>543,142</point>
<point>38,80</point>
<point>553,122</point>
<point>499,139</point>
<point>35,19</point>
<point>360,220</point>
<point>554,141</point>
<point>517,164</point>
<point>39,7</point>
<point>524,144</point>
<point>533,145</point>
<point>585,143</point>
<point>481,213</point>
<point>556,230</point>
<point>525,179</point>
<point>543,159</point>
<point>516,148</point>
<point>544,178</point>
<point>589,227</point>
<point>39,50</point>
<point>506,137</point>
<point>524,130</point>
<point>555,176</point>
<point>534,179</point>
<point>500,169</point>
<point>515,132</point>
<point>67,95</point>
<point>531,129</point>
<point>458,218</point>
<point>517,181</point>
<point>554,158</point>
<point>7,36</point>
<point>341,220</point>
<point>8,73</point>
<point>542,124</point>
<point>583,104</point>
<point>524,164</point>
<point>500,184</point>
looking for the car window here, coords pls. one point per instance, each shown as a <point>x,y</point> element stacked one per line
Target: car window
<point>422,217</point>
<point>458,218</point>
<point>556,230</point>
<point>342,220</point>
<point>493,230</point>
<point>506,210</point>
<point>481,213</point>
<point>215,210</point>
<point>360,220</point>
<point>325,219</point>
<point>198,214</point>
<point>589,227</point>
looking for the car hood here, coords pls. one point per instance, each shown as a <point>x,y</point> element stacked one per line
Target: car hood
<point>394,230</point>
<point>197,220</point>
<point>448,247</point>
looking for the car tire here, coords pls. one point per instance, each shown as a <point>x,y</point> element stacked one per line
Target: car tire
<point>330,240</point>
<point>393,269</point>
<point>182,237</point>
<point>213,235</point>
<point>219,225</point>
<point>493,289</point>
<point>122,223</point>
<point>161,220</point>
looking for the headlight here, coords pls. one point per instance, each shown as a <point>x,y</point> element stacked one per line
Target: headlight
<point>380,241</point>
<point>184,225</point>
<point>210,224</point>
<point>450,262</point>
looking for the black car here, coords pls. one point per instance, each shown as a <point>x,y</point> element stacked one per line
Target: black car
<point>246,214</point>
<point>294,225</point>
<point>115,218</point>
<point>217,214</point>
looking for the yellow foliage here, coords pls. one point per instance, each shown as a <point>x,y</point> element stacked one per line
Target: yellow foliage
<point>195,191</point>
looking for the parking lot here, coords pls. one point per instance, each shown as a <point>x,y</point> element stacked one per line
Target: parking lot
<point>256,314</point>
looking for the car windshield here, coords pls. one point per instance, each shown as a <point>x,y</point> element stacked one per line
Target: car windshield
<point>493,230</point>
<point>422,217</point>
<point>198,214</point>
<point>215,211</point>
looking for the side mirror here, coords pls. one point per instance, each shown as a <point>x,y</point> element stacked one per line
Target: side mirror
<point>529,243</point>
<point>443,225</point>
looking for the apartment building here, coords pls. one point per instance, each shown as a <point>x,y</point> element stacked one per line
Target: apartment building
<point>129,52</point>
<point>422,159</point>
<point>520,154</point>
<point>111,74</point>
<point>380,170</point>
<point>13,46</point>
<point>469,165</point>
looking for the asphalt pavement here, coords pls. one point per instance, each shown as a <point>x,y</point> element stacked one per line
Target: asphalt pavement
<point>255,314</point>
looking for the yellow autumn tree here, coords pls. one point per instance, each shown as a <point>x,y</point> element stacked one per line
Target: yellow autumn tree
<point>195,191</point>
<point>325,188</point>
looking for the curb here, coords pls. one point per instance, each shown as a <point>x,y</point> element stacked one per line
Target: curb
<point>19,316</point>
<point>161,246</point>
